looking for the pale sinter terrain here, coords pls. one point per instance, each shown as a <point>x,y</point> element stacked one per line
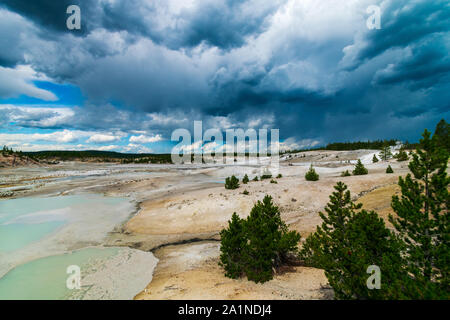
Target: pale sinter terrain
<point>181,210</point>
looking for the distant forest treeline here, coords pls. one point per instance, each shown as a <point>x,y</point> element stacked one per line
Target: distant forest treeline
<point>348,146</point>
<point>106,156</point>
<point>358,145</point>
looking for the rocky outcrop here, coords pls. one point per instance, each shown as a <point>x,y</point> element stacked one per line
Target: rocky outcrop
<point>15,160</point>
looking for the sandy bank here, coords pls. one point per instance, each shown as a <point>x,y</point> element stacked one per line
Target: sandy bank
<point>191,272</point>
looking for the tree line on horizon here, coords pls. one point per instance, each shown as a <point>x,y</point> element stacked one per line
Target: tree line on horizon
<point>104,155</point>
<point>351,146</point>
<point>358,145</point>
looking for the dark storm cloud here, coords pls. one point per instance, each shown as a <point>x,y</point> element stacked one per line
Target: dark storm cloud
<point>221,23</point>
<point>226,25</point>
<point>426,64</point>
<point>159,65</point>
<point>50,13</point>
<point>12,27</point>
<point>403,23</point>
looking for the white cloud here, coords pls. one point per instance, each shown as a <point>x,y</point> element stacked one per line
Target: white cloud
<point>102,138</point>
<point>37,116</point>
<point>18,81</point>
<point>192,148</point>
<point>293,144</point>
<point>145,139</point>
<point>135,148</point>
<point>62,137</point>
<point>108,148</point>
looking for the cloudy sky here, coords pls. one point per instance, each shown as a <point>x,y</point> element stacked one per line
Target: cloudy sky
<point>138,69</point>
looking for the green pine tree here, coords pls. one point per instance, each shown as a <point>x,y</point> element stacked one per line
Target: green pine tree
<point>245,180</point>
<point>338,212</point>
<point>370,242</point>
<point>233,243</point>
<point>346,173</point>
<point>231,183</point>
<point>422,220</point>
<point>269,241</point>
<point>266,174</point>
<point>311,175</point>
<point>385,153</point>
<point>257,245</point>
<point>441,135</point>
<point>347,243</point>
<point>374,159</point>
<point>389,169</point>
<point>360,169</point>
<point>402,156</point>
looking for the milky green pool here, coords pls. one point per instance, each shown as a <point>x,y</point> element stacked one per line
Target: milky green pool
<point>26,225</point>
<point>45,279</point>
<point>26,220</point>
